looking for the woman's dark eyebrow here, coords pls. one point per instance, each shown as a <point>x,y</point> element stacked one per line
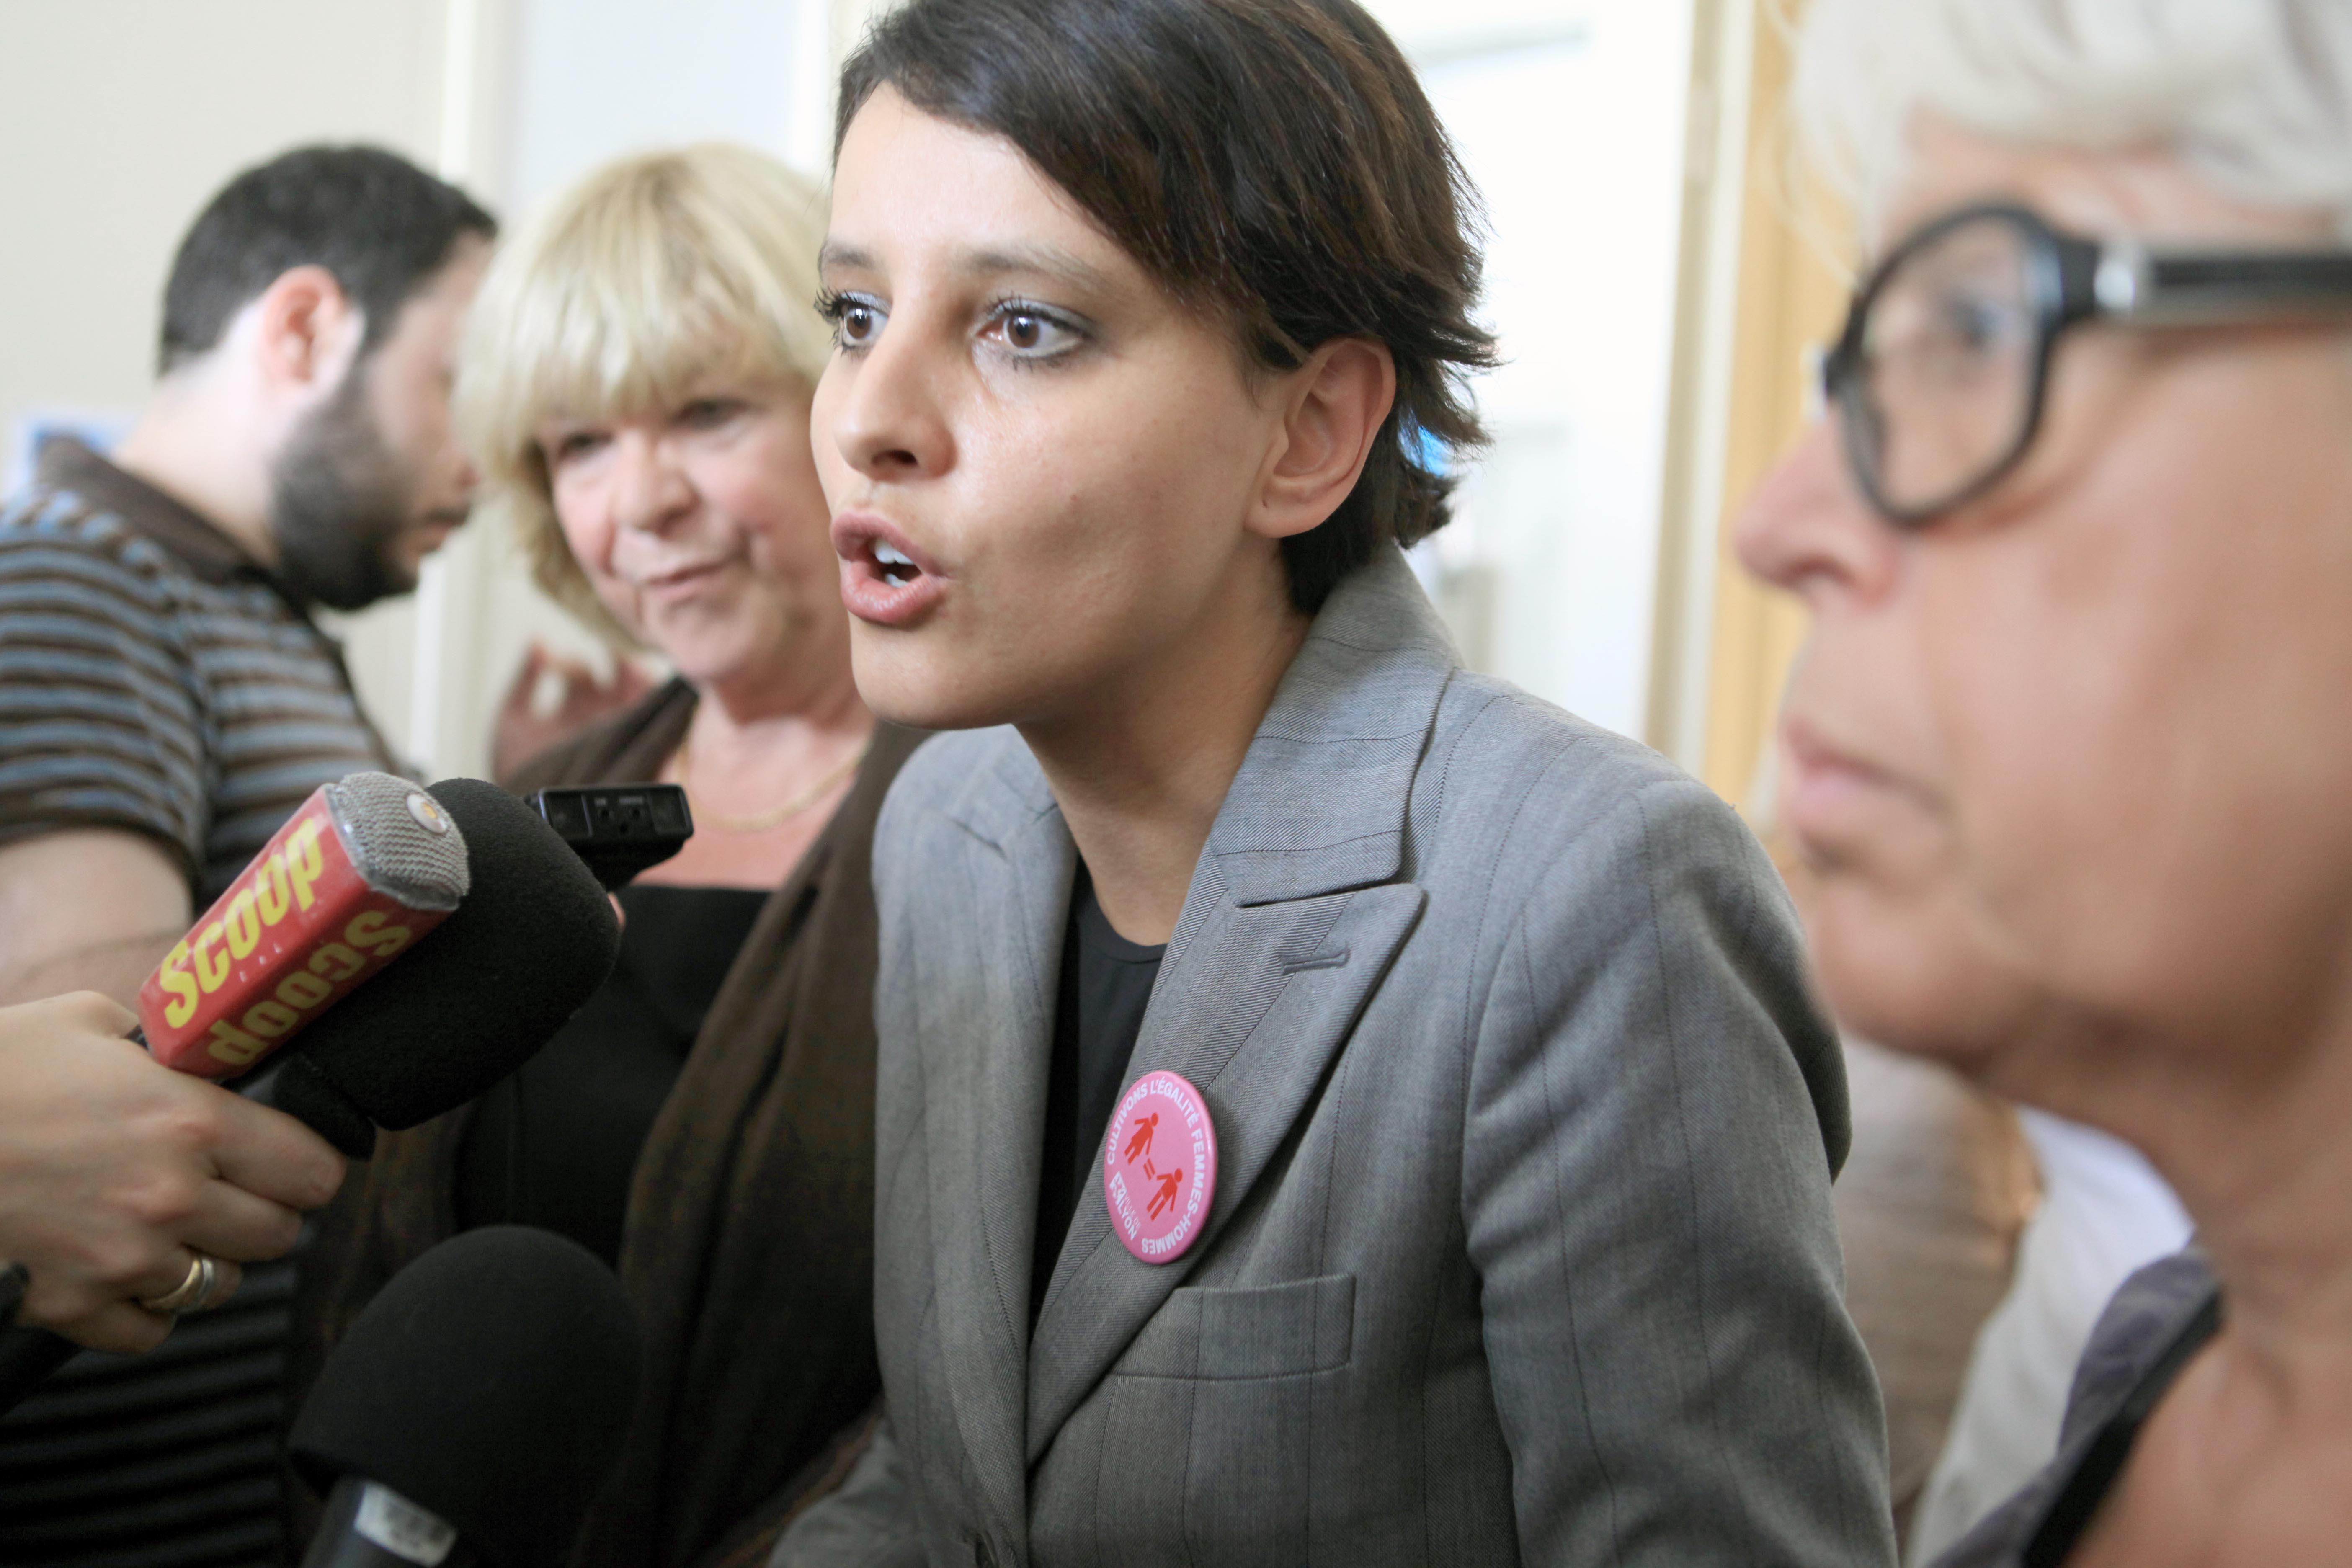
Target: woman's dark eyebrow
<point>1048,260</point>
<point>1037,260</point>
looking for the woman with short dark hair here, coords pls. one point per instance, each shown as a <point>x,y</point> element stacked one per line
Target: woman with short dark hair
<point>1332,1108</point>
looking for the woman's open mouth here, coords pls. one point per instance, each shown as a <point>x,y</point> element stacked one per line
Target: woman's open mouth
<point>897,568</point>
<point>886,581</point>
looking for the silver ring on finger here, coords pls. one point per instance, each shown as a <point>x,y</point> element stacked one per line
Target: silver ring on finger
<point>193,1294</point>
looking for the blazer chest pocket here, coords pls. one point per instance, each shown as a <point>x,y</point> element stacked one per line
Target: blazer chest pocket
<point>1214,1424</point>
<point>1268,1331</point>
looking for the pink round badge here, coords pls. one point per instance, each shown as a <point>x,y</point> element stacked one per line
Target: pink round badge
<point>1160,1167</point>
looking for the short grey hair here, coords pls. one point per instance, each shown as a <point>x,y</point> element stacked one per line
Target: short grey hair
<point>2254,97</point>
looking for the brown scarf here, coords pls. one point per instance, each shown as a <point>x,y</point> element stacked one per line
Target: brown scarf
<point>748,1248</point>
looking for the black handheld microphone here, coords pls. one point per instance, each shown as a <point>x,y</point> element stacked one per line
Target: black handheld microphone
<point>474,1410</point>
<point>473,999</point>
<point>455,1013</point>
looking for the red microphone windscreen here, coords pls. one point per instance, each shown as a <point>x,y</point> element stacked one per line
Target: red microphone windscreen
<point>363,869</point>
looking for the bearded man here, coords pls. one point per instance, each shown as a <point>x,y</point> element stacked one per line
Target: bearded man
<point>166,700</point>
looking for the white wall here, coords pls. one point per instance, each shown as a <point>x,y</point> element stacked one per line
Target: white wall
<point>120,118</point>
<point>600,78</point>
<point>1569,116</point>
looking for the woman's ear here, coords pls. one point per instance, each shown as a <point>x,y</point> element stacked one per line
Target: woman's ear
<point>1332,410</point>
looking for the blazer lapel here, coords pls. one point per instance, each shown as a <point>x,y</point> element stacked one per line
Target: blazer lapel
<point>1293,915</point>
<point>1253,1018</point>
<point>987,972</point>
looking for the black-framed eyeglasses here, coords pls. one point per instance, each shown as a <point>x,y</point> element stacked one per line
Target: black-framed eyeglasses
<point>1944,366</point>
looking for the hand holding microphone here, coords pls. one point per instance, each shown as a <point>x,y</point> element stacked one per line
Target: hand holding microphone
<point>138,1191</point>
<point>362,876</point>
<point>112,1169</point>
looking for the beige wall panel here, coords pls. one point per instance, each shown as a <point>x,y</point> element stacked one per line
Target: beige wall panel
<point>1792,295</point>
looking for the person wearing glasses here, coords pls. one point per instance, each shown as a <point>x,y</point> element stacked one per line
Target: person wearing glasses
<point>2067,748</point>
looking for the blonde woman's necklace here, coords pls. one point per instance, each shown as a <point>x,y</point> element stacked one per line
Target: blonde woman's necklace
<point>774,817</point>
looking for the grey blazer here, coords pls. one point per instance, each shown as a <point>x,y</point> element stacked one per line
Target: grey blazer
<point>1521,1249</point>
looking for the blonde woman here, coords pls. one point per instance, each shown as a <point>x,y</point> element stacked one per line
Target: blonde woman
<point>636,389</point>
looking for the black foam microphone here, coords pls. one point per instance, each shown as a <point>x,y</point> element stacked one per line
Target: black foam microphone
<point>457,1011</point>
<point>474,1409</point>
<point>473,999</point>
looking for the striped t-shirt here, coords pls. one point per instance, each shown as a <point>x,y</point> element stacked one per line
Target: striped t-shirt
<point>155,678</point>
